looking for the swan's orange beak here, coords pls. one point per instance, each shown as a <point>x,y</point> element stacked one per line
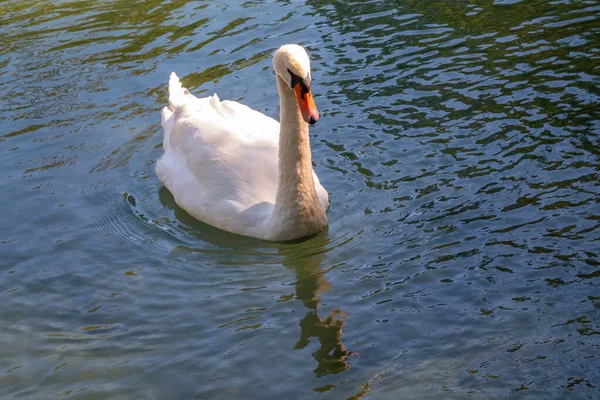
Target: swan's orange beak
<point>306,104</point>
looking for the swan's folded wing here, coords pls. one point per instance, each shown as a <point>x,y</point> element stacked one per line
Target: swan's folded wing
<point>232,158</point>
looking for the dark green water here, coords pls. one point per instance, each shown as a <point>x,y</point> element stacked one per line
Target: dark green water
<point>460,143</point>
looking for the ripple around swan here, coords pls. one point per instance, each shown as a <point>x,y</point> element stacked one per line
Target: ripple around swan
<point>459,144</point>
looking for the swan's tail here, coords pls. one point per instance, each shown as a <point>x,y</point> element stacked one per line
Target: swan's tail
<point>167,121</point>
<point>177,93</point>
<point>177,97</point>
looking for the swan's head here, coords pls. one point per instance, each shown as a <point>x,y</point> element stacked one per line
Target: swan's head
<point>292,64</point>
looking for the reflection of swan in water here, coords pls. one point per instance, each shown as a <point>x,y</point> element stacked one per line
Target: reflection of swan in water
<point>332,355</point>
<point>305,259</point>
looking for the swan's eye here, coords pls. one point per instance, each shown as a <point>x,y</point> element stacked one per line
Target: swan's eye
<point>295,79</point>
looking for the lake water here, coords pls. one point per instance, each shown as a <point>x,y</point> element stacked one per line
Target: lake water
<point>460,144</point>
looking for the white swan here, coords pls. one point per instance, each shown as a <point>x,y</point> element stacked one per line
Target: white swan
<point>239,170</point>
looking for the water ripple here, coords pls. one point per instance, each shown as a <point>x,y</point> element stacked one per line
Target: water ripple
<point>459,144</point>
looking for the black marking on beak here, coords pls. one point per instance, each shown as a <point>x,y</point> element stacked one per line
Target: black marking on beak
<point>304,83</point>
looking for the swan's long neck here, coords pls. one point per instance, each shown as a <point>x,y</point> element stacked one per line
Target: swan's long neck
<point>297,208</point>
